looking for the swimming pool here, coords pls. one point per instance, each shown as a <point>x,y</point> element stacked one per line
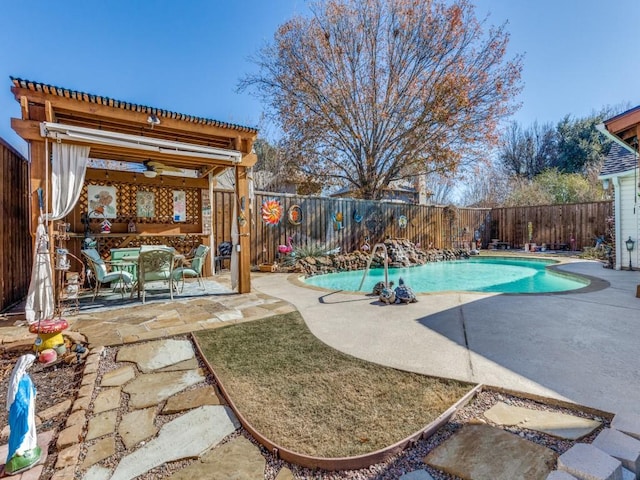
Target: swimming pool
<point>476,274</point>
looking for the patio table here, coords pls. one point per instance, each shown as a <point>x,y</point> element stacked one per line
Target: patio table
<point>178,261</point>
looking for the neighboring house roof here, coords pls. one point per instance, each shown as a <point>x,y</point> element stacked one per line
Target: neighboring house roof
<point>97,99</point>
<point>617,161</point>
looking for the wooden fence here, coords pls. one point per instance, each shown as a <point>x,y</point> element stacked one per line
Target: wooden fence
<point>16,257</point>
<point>332,223</point>
<point>552,224</point>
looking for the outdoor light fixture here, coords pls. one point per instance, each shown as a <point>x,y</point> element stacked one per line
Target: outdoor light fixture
<point>605,184</point>
<point>629,243</point>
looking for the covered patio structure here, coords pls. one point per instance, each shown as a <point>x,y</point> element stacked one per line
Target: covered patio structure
<point>148,177</point>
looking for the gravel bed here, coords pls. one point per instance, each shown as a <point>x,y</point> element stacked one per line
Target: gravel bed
<point>408,460</point>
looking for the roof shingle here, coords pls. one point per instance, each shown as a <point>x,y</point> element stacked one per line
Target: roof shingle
<point>618,160</point>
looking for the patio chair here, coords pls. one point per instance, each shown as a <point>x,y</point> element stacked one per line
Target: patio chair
<point>103,272</point>
<point>193,270</point>
<point>155,264</point>
<point>224,253</point>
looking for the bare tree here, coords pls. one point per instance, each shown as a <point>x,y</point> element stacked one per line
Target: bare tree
<point>372,91</point>
<point>528,152</point>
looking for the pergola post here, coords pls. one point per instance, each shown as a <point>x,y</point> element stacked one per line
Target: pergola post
<point>244,230</point>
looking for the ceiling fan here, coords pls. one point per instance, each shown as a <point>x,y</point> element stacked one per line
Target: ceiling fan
<point>154,168</point>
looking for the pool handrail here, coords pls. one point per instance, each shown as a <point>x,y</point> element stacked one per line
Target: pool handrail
<point>386,265</point>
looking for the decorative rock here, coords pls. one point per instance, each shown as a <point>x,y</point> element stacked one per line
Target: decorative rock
<point>48,355</point>
<point>107,400</point>
<point>118,377</point>
<point>557,424</point>
<point>69,436</point>
<point>621,446</point>
<point>137,426</point>
<point>628,423</point>
<point>153,388</point>
<point>587,462</point>
<point>155,355</point>
<point>191,399</point>
<point>238,458</point>
<point>482,451</point>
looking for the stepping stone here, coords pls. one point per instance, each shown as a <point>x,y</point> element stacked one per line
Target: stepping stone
<point>97,472</point>
<point>108,399</point>
<point>188,436</point>
<point>620,446</point>
<point>118,377</point>
<point>190,364</point>
<point>557,424</point>
<point>417,475</point>
<point>484,452</point>
<point>628,423</point>
<point>558,475</point>
<point>102,424</point>
<point>153,388</point>
<point>587,462</point>
<point>155,355</point>
<point>137,426</point>
<point>284,474</point>
<point>191,399</point>
<point>103,448</point>
<point>238,458</point>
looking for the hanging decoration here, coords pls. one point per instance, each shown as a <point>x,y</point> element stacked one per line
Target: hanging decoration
<point>271,212</point>
<point>356,216</point>
<point>374,221</point>
<point>337,221</point>
<point>402,221</point>
<point>295,215</point>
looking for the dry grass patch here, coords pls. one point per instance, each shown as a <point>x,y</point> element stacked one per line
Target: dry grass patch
<point>314,400</point>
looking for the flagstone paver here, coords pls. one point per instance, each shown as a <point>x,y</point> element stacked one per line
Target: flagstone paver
<point>284,474</point>
<point>97,472</point>
<point>557,424</point>
<point>103,448</point>
<point>587,462</point>
<point>137,426</point>
<point>189,364</point>
<point>102,424</point>
<point>118,377</point>
<point>191,399</point>
<point>188,436</point>
<point>54,411</point>
<point>484,452</point>
<point>107,399</point>
<point>159,354</point>
<point>238,459</point>
<point>621,446</point>
<point>152,388</point>
<point>559,475</point>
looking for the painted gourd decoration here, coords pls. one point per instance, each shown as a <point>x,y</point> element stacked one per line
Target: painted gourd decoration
<point>271,212</point>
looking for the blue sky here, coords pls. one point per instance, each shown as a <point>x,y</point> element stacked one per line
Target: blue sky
<point>188,56</point>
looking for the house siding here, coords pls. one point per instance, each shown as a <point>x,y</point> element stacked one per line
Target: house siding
<point>629,225</point>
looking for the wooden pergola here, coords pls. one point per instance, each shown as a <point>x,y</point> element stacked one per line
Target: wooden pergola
<point>126,133</point>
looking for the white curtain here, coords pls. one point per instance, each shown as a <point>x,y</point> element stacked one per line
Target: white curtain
<point>40,299</point>
<point>68,168</point>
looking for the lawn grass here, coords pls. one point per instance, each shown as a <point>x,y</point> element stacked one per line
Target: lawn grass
<point>314,400</point>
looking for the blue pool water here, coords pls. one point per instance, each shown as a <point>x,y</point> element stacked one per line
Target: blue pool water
<point>477,274</point>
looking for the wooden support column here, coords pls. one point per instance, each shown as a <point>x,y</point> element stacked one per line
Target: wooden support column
<point>37,179</point>
<point>244,230</point>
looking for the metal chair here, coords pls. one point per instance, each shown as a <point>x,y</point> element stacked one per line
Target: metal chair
<point>193,270</point>
<point>103,273</point>
<point>155,264</point>
<point>224,253</point>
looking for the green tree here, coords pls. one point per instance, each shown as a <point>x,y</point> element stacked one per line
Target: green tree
<point>580,144</point>
<point>554,187</point>
<point>372,91</point>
